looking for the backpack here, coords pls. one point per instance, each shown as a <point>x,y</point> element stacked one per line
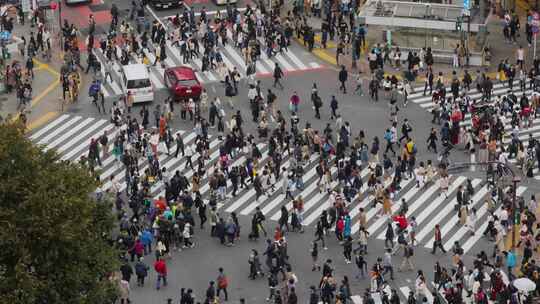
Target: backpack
<point>223,282</point>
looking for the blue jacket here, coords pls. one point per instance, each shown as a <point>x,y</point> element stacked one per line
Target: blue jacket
<point>347,228</point>
<point>511,259</point>
<point>147,237</point>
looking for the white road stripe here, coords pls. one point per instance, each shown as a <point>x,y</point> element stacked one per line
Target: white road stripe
<point>49,126</point>
<point>405,291</point>
<point>295,60</point>
<point>428,228</point>
<point>59,130</point>
<point>284,63</point>
<point>456,236</point>
<point>307,190</point>
<point>69,133</point>
<point>79,148</point>
<point>477,236</point>
<point>82,135</point>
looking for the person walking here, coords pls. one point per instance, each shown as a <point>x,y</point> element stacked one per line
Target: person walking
<point>333,107</point>
<point>223,283</point>
<point>387,263</point>
<point>161,269</point>
<point>342,77</point>
<point>141,271</point>
<point>408,252</point>
<point>437,243</point>
<point>278,74</point>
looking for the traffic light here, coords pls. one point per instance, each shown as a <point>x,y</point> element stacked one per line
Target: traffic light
<point>459,23</point>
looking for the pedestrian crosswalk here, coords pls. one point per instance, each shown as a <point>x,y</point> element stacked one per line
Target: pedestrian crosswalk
<point>289,60</point>
<point>70,135</point>
<point>499,91</point>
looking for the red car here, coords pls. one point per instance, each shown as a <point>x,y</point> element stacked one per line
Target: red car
<point>182,83</point>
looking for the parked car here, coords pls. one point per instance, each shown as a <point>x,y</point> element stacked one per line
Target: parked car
<point>163,4</point>
<point>182,83</point>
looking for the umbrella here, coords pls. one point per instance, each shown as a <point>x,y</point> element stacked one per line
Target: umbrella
<point>524,284</point>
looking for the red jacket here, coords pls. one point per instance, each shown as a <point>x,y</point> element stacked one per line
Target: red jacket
<point>160,267</point>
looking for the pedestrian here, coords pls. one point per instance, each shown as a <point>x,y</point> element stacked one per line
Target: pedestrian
<point>342,77</point>
<point>359,85</point>
<point>223,283</point>
<point>333,107</point>
<point>141,270</point>
<point>437,243</point>
<point>210,293</point>
<point>407,256</point>
<point>278,74</point>
<point>124,292</point>
<point>387,264</point>
<point>161,270</point>
<point>361,264</point>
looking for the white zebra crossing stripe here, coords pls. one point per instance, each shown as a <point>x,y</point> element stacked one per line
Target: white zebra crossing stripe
<point>433,204</point>
<point>442,213</point>
<point>395,207</point>
<point>456,236</point>
<point>79,149</point>
<point>307,190</point>
<point>284,63</point>
<point>406,290</point>
<point>326,204</point>
<point>155,79</point>
<point>357,299</point>
<point>49,126</point>
<point>68,134</point>
<point>89,130</point>
<point>248,195</point>
<point>295,60</point>
<point>479,232</point>
<point>279,199</point>
<point>364,204</point>
<point>59,130</point>
<point>425,195</point>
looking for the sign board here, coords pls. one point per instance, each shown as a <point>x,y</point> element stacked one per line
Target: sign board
<point>25,5</point>
<point>467,4</point>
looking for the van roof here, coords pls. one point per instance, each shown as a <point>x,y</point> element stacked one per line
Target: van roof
<point>135,71</point>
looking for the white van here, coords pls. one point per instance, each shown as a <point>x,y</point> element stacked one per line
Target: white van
<point>135,79</point>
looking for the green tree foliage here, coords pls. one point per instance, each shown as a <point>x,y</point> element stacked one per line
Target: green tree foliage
<point>53,234</point>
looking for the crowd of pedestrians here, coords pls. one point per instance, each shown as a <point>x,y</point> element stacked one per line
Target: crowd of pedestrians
<point>153,228</point>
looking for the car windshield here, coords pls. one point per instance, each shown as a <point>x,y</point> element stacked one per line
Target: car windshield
<point>138,83</point>
<point>187,82</point>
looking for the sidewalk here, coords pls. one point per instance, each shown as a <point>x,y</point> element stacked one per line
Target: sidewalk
<point>45,85</point>
<point>500,51</point>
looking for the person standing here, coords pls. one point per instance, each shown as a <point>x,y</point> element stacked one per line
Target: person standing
<point>342,77</point>
<point>223,283</point>
<point>161,269</point>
